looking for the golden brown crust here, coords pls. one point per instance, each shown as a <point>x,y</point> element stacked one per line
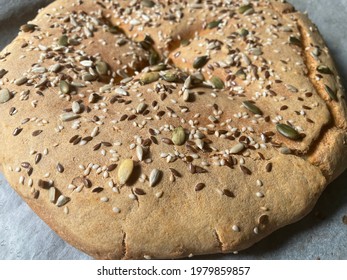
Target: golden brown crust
<point>227,187</point>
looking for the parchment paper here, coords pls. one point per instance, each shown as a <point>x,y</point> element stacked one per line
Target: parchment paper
<point>322,234</point>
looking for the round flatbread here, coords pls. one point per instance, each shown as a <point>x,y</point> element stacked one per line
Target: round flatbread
<point>160,129</point>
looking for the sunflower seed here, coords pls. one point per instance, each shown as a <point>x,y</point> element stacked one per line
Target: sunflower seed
<point>268,167</point>
<point>251,107</point>
<point>63,41</point>
<point>228,193</point>
<point>139,191</point>
<point>331,93</point>
<point>55,68</point>
<point>52,194</point>
<point>237,148</point>
<point>44,184</point>
<point>324,70</point>
<point>217,82</point>
<point>139,153</point>
<point>150,77</point>
<point>37,133</point>
<point>5,95</point>
<point>3,72</point>
<point>141,108</point>
<point>288,131</point>
<point>60,168</point>
<point>170,76</point>
<point>101,67</point>
<point>154,177</point>
<point>178,136</point>
<point>245,170</point>
<point>200,61</point>
<point>125,170</point>
<point>199,187</point>
<point>17,131</point>
<point>62,200</point>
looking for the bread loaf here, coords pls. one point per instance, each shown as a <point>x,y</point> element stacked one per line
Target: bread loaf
<point>165,129</point>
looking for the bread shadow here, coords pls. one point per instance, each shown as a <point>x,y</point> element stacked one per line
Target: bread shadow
<point>277,245</point>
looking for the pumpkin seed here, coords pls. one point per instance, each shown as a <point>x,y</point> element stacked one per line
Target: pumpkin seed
<point>62,200</point>
<point>125,170</point>
<point>115,30</point>
<point>21,81</point>
<point>214,24</point>
<point>178,136</point>
<point>288,131</point>
<point>154,177</point>
<point>239,147</point>
<point>295,41</point>
<point>246,9</point>
<point>154,58</point>
<point>217,82</point>
<point>148,3</point>
<point>28,27</point>
<point>68,117</point>
<point>64,87</point>
<point>101,68</point>
<point>200,61</point>
<point>251,107</point>
<point>241,74</point>
<point>185,42</point>
<point>150,77</point>
<point>5,95</point>
<point>324,70</point>
<point>170,76</point>
<point>243,32</point>
<point>64,41</point>
<point>331,93</point>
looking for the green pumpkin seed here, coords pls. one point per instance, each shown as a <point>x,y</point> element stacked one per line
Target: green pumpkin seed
<point>154,58</point>
<point>217,82</point>
<point>246,9</point>
<point>158,67</point>
<point>241,74</point>
<point>185,42</point>
<point>63,41</point>
<point>178,136</point>
<point>115,30</point>
<point>214,24</point>
<point>251,107</point>
<point>101,68</point>
<point>331,93</point>
<point>170,76</point>
<point>150,77</point>
<point>243,32</point>
<point>28,27</point>
<point>295,41</point>
<point>200,61</point>
<point>148,3</point>
<point>64,87</point>
<point>288,131</point>
<point>324,70</point>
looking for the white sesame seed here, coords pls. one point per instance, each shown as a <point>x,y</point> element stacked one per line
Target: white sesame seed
<point>235,228</point>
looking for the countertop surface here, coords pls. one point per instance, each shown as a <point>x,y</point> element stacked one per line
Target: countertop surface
<point>320,235</point>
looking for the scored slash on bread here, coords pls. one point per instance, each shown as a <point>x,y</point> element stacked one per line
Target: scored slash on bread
<point>155,129</point>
